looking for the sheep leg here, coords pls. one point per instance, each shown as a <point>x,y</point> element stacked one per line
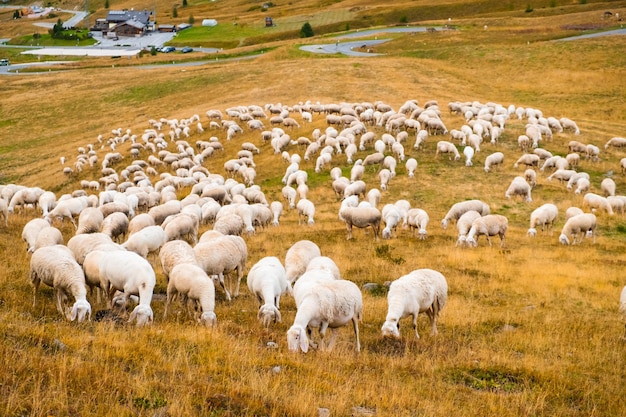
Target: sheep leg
<point>333,337</point>
<point>349,229</point>
<point>488,240</point>
<point>223,285</point>
<point>417,336</point>
<point>355,323</point>
<point>502,240</point>
<point>432,315</point>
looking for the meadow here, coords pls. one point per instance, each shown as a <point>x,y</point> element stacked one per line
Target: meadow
<point>531,329</point>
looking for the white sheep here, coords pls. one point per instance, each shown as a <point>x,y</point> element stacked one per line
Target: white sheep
<point>90,220</point>
<point>563,175</point>
<point>267,281</point>
<point>447,147</point>
<point>597,202</point>
<point>276,207</point>
<point>569,124</point>
<point>298,257</point>
<point>411,166</point>
<point>468,151</point>
<point>115,225</point>
<point>127,272</point>
<point>391,216</point>
<point>356,188</point>
<point>608,187</point>
<point>572,211</point>
<point>360,217</point>
<point>543,216</point>
<point>420,291</point>
<point>4,212</point>
<point>384,175</point>
<point>30,232</point>
<point>55,266</point>
<point>306,210</point>
<point>489,225</point>
<point>222,256</point>
<point>464,224</point>
<point>331,304</point>
<point>496,158</point>
<point>616,142</point>
<point>458,209</point>
<point>147,240</point>
<point>578,227</point>
<point>176,252</point>
<point>139,222</point>
<point>519,186</point>
<point>289,194</point>
<point>418,219</point>
<point>373,197</point>
<point>193,284</point>
<point>229,224</point>
<point>181,226</point>
<point>68,209</point>
<point>81,245</point>
<point>48,236</point>
<point>528,159</point>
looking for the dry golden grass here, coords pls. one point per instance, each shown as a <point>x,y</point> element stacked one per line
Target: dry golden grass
<point>532,329</point>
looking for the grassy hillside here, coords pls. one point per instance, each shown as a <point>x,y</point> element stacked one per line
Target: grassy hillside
<point>530,329</point>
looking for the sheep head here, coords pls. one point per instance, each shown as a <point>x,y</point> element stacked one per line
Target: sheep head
<point>143,314</point>
<point>81,310</point>
<point>297,339</point>
<point>563,239</point>
<point>268,314</point>
<point>391,328</point>
<point>208,319</point>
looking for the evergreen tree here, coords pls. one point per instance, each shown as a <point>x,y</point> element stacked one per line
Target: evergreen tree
<point>192,20</point>
<point>184,3</point>
<point>306,31</point>
<point>106,4</point>
<point>175,12</point>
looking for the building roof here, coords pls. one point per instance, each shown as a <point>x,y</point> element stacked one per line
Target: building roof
<point>119,16</point>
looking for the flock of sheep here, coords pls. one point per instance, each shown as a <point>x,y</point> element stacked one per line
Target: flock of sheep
<point>132,212</point>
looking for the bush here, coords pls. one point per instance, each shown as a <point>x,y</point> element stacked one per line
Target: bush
<point>306,31</point>
<point>529,8</point>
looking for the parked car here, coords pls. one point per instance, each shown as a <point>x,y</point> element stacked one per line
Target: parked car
<point>4,62</point>
<point>168,49</point>
<point>186,50</point>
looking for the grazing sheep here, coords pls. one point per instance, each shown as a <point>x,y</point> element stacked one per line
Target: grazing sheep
<point>384,175</point>
<point>55,266</point>
<point>578,227</point>
<point>276,208</point>
<point>519,186</point>
<point>298,257</point>
<point>48,236</point>
<point>489,225</point>
<point>597,202</point>
<point>147,240</point>
<point>139,222</point>
<point>464,224</point>
<point>68,209</point>
<point>267,281</point>
<point>4,212</point>
<point>193,285</point>
<point>90,220</point>
<point>30,232</point>
<point>129,273</point>
<point>468,151</point>
<point>573,180</point>
<point>447,147</point>
<point>531,177</point>
<point>391,217</point>
<point>229,224</point>
<point>181,227</point>
<point>616,142</point>
<point>81,245</point>
<point>583,185</point>
<point>608,187</point>
<point>331,304</point>
<point>306,210</point>
<point>458,209</point>
<point>528,159</point>
<point>411,166</point>
<point>222,256</point>
<point>115,225</point>
<point>357,188</point>
<point>572,211</point>
<point>496,158</point>
<point>568,124</point>
<point>418,219</point>
<point>176,252</point>
<point>420,291</point>
<point>360,217</point>
<point>543,216</point>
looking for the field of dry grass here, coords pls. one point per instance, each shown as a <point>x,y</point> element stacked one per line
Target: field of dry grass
<point>531,329</point>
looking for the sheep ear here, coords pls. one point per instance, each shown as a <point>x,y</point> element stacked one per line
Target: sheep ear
<point>304,341</point>
<point>74,313</point>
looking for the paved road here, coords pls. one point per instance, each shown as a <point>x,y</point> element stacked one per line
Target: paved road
<point>595,35</point>
<point>348,48</point>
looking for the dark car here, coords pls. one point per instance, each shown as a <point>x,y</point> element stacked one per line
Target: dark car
<point>168,49</point>
<point>186,50</point>
<point>4,62</point>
